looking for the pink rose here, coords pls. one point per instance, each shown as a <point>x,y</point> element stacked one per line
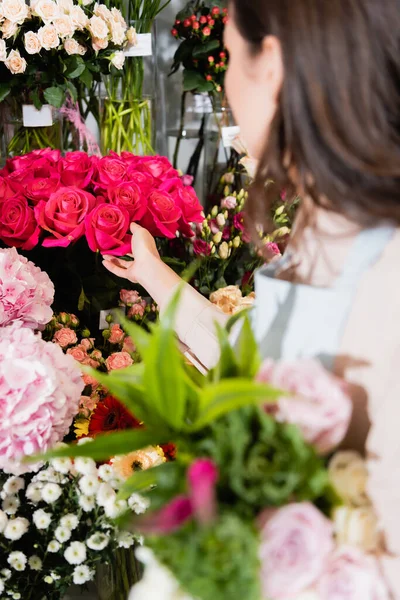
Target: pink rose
<point>76,169</point>
<point>118,360</point>
<point>159,167</point>
<point>296,541</point>
<point>63,216</point>
<point>116,334</point>
<point>5,189</point>
<point>192,211</point>
<point>41,188</point>
<point>136,310</point>
<point>163,215</point>
<point>106,229</point>
<point>79,354</point>
<point>317,402</point>
<point>129,345</point>
<point>229,202</point>
<point>201,248</point>
<point>65,337</point>
<point>129,296</point>
<point>144,180</point>
<point>110,171</point>
<point>269,251</point>
<point>18,226</point>
<point>88,402</point>
<point>351,575</point>
<point>129,196</point>
<point>88,380</point>
<point>87,343</point>
<point>187,179</point>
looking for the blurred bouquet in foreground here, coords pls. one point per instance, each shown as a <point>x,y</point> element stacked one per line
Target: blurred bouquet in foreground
<point>249,507</point>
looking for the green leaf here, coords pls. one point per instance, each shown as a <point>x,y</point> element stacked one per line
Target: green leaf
<point>72,90</point>
<point>140,336</point>
<point>205,49</point>
<point>205,86</point>
<point>247,353</point>
<point>107,445</point>
<point>191,80</point>
<point>230,395</point>
<point>5,89</point>
<point>164,477</point>
<point>87,78</point>
<point>55,96</point>
<point>36,99</point>
<point>75,67</point>
<point>82,300</point>
<point>226,367</point>
<point>138,482</point>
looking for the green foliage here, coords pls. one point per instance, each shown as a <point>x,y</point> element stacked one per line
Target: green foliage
<point>211,564</point>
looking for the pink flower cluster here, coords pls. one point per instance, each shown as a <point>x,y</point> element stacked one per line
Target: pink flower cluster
<point>53,200</point>
<point>298,557</point>
<point>40,389</point>
<point>26,292</point>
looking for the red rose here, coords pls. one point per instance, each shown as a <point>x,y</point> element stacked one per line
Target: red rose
<point>201,248</point>
<point>159,167</point>
<point>192,211</point>
<point>41,188</point>
<point>144,180</point>
<point>18,226</point>
<point>76,168</point>
<point>63,215</point>
<point>163,215</point>
<point>129,196</point>
<point>110,170</point>
<point>5,189</point>
<point>106,229</point>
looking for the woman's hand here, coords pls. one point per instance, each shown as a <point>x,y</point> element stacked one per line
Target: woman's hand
<point>143,250</point>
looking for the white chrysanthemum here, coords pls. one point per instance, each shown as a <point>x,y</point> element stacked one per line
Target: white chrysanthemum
<point>35,563</point>
<point>125,539</point>
<point>53,546</point>
<point>98,541</point>
<point>85,466</point>
<point>70,521</point>
<point>62,534</point>
<point>34,492</point>
<point>6,574</point>
<point>115,508</point>
<point>61,465</point>
<point>49,475</point>
<point>75,554</point>
<point>89,485</point>
<point>105,494</point>
<point>82,574</point>
<point>106,472</point>
<point>17,561</point>
<point>3,521</point>
<point>139,504</point>
<point>41,519</point>
<point>16,528</point>
<point>51,492</point>
<point>10,504</point>
<point>13,485</point>
<point>87,503</point>
<point>2,586</point>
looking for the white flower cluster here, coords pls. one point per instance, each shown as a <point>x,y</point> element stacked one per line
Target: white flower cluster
<point>69,507</point>
<point>59,21</point>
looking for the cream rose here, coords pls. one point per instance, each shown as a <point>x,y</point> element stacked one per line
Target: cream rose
<point>71,46</point>
<point>131,36</point>
<point>32,43</point>
<point>357,527</point>
<point>118,59</point>
<point>3,51</point>
<point>87,2</point>
<point>117,33</point>
<point>98,28</point>
<point>100,10</point>
<point>99,44</point>
<point>47,10</point>
<point>15,11</point>
<point>9,29</point>
<point>82,50</point>
<point>15,63</point>
<point>64,26</point>
<point>348,474</point>
<point>65,6</point>
<point>78,17</point>
<point>118,18</point>
<point>48,37</point>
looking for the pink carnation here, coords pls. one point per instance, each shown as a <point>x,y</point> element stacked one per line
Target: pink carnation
<point>351,575</point>
<point>118,360</point>
<point>40,388</point>
<point>317,401</point>
<point>295,544</point>
<point>26,292</point>
<point>65,337</point>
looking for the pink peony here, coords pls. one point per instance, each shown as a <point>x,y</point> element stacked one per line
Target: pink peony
<point>26,292</point>
<point>351,575</point>
<point>116,334</point>
<point>118,360</point>
<point>317,402</point>
<point>65,337</point>
<point>129,296</point>
<point>295,543</point>
<point>40,388</point>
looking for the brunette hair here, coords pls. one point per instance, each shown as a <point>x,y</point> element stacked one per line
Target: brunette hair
<point>335,137</point>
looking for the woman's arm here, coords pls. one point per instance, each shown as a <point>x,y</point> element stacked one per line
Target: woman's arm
<point>196,317</point>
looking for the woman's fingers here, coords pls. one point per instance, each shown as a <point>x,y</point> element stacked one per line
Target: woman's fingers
<point>116,266</point>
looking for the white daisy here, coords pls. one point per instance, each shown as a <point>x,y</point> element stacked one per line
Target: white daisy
<point>75,554</point>
<point>16,528</point>
<point>53,546</point>
<point>139,504</point>
<point>16,596</point>
<point>2,586</point>
<point>82,574</point>
<point>61,465</point>
<point>35,563</point>
<point>41,519</point>
<point>49,475</point>
<point>89,485</point>
<point>98,541</point>
<point>106,472</point>
<point>87,503</point>
<point>70,521</point>
<point>105,494</point>
<point>51,492</point>
<point>85,466</point>
<point>13,485</point>
<point>48,579</point>
<point>3,520</point>
<point>62,534</point>
<point>10,504</point>
<point>5,573</point>
<point>125,539</point>
<point>115,508</point>
<point>33,492</point>
<point>17,561</point>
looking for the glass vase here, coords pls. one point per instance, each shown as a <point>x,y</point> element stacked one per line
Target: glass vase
<point>21,136</point>
<point>115,579</point>
<point>128,98</point>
